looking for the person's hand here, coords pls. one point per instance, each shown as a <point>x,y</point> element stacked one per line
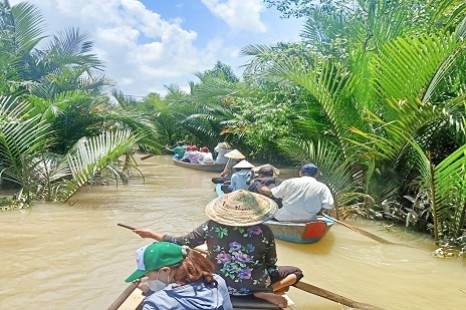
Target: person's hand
<point>264,189</point>
<point>144,285</point>
<point>143,233</point>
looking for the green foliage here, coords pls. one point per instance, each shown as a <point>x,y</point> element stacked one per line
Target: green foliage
<point>385,81</point>
<point>21,138</point>
<point>91,155</point>
<point>57,99</point>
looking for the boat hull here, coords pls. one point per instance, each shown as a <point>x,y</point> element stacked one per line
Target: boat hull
<point>134,302</point>
<point>309,232</point>
<point>208,168</point>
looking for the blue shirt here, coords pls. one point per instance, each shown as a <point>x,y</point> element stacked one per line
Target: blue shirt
<point>239,180</point>
<point>192,296</point>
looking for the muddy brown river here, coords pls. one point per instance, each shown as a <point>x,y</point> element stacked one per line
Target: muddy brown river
<point>56,256</point>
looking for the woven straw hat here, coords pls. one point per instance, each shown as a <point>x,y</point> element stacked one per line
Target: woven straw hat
<point>235,154</point>
<point>223,145</point>
<point>276,171</point>
<point>241,208</point>
<point>244,164</point>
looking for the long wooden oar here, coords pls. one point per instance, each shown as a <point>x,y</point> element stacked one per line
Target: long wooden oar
<point>309,288</point>
<point>124,295</point>
<point>334,297</point>
<point>363,232</point>
<point>147,156</point>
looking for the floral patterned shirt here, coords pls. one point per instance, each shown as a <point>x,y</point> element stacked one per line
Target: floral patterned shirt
<point>243,256</point>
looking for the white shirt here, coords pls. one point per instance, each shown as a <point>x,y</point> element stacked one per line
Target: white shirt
<point>206,158</point>
<point>221,159</point>
<point>303,198</point>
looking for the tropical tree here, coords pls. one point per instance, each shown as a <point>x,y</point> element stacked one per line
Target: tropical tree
<point>21,139</point>
<point>389,91</point>
<point>57,102</point>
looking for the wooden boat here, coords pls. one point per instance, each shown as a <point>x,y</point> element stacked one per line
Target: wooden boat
<point>132,298</point>
<point>208,168</point>
<point>134,302</point>
<point>309,232</point>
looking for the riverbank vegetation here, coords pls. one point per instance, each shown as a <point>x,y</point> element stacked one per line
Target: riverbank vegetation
<point>59,129</point>
<point>374,93</point>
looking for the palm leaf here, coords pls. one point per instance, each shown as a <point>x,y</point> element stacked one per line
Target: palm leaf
<point>450,184</point>
<point>28,26</point>
<point>407,64</point>
<point>330,85</point>
<point>91,155</point>
<point>20,138</point>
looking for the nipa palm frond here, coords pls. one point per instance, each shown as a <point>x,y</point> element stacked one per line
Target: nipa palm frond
<point>450,191</point>
<point>20,137</point>
<point>406,65</point>
<point>330,85</point>
<point>91,155</point>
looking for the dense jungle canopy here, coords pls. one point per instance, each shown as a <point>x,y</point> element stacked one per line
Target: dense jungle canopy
<point>374,93</point>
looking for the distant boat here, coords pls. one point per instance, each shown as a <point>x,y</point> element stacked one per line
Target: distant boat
<point>207,167</point>
<point>310,232</point>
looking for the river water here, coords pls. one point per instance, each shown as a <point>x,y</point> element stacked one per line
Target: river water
<point>74,256</point>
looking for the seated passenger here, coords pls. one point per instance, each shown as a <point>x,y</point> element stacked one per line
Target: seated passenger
<point>233,158</point>
<point>179,278</point>
<point>221,149</point>
<point>189,149</point>
<point>192,156</point>
<point>303,197</point>
<point>240,177</point>
<point>266,177</point>
<point>179,149</point>
<point>205,158</point>
<point>241,247</point>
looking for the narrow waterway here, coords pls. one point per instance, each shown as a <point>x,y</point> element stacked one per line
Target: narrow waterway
<point>75,256</point>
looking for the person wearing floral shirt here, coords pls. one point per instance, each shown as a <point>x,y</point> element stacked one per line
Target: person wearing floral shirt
<point>240,246</point>
<point>242,255</point>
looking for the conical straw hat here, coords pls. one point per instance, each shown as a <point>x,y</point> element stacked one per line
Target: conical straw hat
<point>223,145</point>
<point>244,164</point>
<point>235,154</point>
<point>241,208</point>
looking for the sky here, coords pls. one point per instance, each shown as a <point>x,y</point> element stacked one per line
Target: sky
<point>147,44</point>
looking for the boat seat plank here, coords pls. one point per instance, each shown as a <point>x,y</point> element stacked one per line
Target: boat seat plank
<point>253,303</point>
<point>250,302</point>
<point>134,302</point>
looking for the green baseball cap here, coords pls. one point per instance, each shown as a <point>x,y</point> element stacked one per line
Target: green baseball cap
<point>154,257</point>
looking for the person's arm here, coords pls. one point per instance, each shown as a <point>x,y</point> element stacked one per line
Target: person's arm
<point>233,181</point>
<point>195,238</point>
<point>149,234</point>
<point>275,192</point>
<point>264,190</point>
<point>270,258</point>
<point>227,168</point>
<point>223,290</point>
<point>327,199</point>
<point>149,305</point>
